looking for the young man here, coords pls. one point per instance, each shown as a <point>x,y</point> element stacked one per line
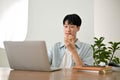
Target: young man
<point>71,52</point>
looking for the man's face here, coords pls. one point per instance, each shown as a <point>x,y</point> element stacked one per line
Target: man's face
<point>70,29</point>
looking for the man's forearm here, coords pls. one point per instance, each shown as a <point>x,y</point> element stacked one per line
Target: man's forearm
<point>76,58</point>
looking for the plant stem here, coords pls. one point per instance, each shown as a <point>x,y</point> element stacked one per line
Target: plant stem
<point>112,56</point>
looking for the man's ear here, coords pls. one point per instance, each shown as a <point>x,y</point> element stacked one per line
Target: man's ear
<point>78,28</point>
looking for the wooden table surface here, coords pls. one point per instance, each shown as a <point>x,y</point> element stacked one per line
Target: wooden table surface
<point>65,74</point>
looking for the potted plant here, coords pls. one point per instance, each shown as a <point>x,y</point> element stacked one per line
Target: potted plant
<point>102,53</point>
<point>113,48</point>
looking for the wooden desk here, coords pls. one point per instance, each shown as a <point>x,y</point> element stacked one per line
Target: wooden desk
<point>66,74</point>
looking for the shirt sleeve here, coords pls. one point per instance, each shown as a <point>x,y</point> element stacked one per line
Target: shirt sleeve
<point>88,56</point>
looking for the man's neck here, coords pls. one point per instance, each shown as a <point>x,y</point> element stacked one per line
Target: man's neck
<point>75,39</point>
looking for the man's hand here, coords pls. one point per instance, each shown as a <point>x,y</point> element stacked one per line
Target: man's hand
<point>69,43</point>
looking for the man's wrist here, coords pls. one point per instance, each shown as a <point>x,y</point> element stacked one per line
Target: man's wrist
<point>73,51</point>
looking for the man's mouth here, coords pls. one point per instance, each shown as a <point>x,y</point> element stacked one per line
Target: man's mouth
<point>68,33</point>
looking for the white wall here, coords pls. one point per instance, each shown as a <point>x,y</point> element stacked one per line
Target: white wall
<point>46,16</point>
<point>107,20</point>
<point>13,18</point>
<point>4,6</point>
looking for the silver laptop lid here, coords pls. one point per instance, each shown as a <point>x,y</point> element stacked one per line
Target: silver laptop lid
<point>27,55</point>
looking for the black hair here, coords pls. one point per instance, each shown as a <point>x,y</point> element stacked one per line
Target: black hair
<point>72,19</point>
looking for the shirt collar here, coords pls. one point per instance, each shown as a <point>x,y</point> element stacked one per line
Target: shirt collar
<point>77,44</point>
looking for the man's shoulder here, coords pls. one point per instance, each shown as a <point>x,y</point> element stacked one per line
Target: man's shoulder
<point>83,44</point>
<point>59,44</point>
<point>86,44</point>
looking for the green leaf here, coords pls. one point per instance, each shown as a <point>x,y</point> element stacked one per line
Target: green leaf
<point>101,53</point>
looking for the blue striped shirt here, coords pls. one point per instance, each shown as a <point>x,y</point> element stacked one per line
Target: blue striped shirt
<point>57,52</point>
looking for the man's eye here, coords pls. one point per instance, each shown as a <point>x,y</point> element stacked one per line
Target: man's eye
<point>71,26</point>
<point>65,26</point>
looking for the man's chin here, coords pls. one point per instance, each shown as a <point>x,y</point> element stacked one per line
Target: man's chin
<point>66,35</point>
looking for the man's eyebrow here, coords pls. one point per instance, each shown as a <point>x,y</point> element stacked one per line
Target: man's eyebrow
<point>71,24</point>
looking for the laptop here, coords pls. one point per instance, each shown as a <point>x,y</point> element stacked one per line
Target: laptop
<point>28,55</point>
